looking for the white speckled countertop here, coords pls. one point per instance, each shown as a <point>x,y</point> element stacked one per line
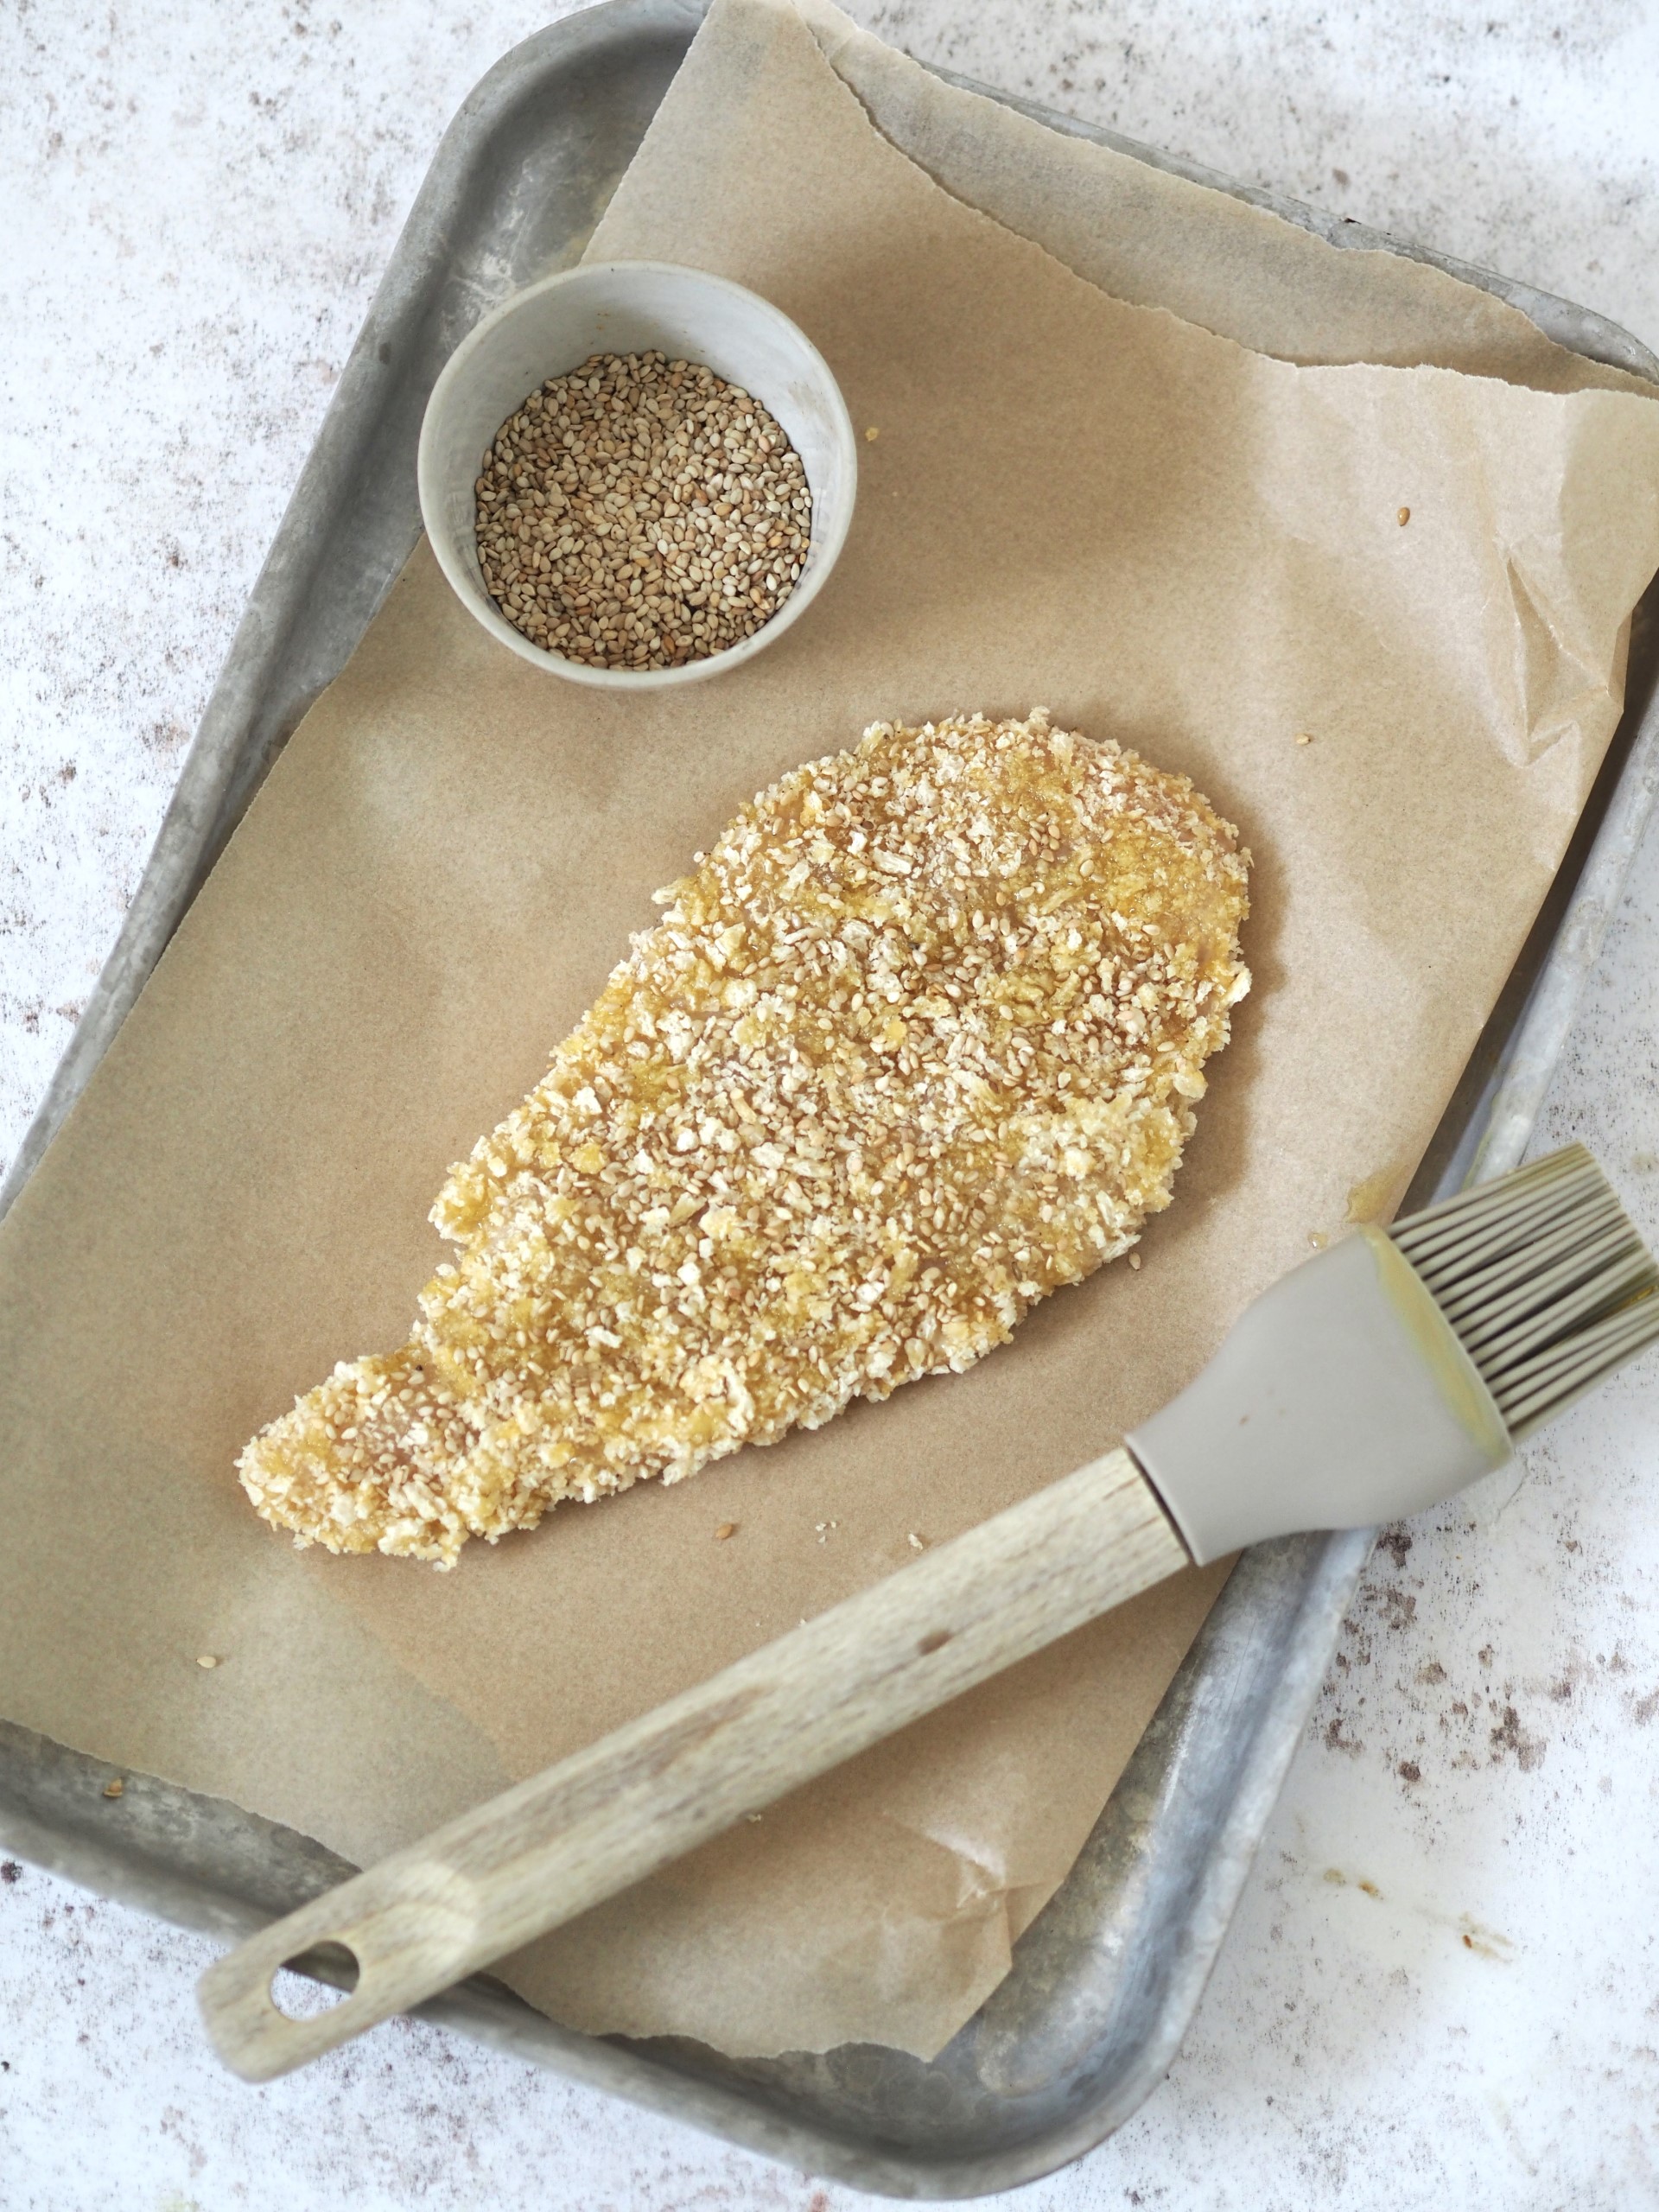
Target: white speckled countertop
<point>1442,1986</point>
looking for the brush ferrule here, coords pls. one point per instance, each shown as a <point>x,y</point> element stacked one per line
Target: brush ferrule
<point>1342,1397</point>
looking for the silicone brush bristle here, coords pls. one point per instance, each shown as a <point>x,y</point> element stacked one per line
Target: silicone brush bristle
<point>1544,1279</point>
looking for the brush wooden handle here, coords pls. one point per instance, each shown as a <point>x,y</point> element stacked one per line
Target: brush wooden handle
<point>547,1849</point>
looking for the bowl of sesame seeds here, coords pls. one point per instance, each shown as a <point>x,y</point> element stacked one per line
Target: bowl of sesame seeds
<point>635,475</point>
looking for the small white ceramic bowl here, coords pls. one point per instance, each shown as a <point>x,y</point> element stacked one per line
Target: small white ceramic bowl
<point>630,307</point>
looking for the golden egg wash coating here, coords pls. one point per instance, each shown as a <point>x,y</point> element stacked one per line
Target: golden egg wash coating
<point>914,1045</point>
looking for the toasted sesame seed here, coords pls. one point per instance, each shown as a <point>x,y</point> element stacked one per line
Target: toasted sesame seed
<point>725,1528</point>
<point>116,1788</point>
<point>639,514</point>
<point>1403,516</point>
<point>831,1126</point>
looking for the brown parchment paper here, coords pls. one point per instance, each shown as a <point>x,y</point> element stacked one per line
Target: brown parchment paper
<point>1157,239</point>
<point>1073,500</point>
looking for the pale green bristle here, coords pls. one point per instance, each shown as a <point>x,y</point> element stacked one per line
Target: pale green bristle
<point>1544,1279</point>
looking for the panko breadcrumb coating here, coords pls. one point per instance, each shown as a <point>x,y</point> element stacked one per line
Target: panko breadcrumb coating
<point>917,1043</point>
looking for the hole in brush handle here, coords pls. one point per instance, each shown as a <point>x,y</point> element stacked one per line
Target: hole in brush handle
<point>384,1941</point>
<point>329,1972</point>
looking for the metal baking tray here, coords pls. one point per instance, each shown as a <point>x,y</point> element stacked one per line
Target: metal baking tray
<point>1107,1978</point>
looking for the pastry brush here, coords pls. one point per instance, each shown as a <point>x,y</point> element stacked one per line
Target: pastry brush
<point>1379,1376</point>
